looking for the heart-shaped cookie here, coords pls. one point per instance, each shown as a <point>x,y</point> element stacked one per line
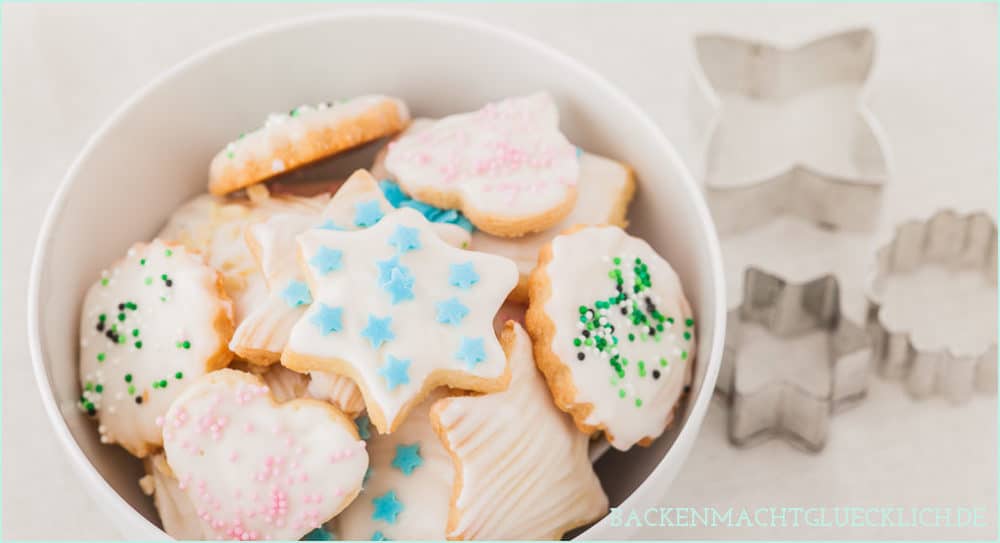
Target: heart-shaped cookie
<point>256,469</point>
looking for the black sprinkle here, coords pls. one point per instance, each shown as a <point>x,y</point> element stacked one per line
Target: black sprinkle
<point>687,388</point>
<point>652,330</point>
<point>656,374</point>
<point>170,282</point>
<point>121,307</point>
<point>100,327</point>
<point>138,400</point>
<point>580,356</point>
<point>91,411</point>
<point>624,311</point>
<point>586,333</point>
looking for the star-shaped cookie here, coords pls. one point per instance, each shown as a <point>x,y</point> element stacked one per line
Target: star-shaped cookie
<point>557,489</point>
<point>391,341</point>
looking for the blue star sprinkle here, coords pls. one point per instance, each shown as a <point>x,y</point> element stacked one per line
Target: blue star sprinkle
<point>326,260</point>
<point>328,319</point>
<point>405,239</point>
<point>396,372</point>
<point>400,285</point>
<point>462,275</point>
<point>451,311</point>
<point>362,423</point>
<point>296,294</point>
<point>367,213</point>
<point>385,268</point>
<point>377,331</point>
<point>387,507</point>
<point>407,458</point>
<point>318,534</point>
<point>472,351</point>
<point>330,225</point>
<point>379,536</point>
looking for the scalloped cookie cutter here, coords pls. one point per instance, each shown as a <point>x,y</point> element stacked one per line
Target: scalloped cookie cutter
<point>955,242</point>
<point>790,361</point>
<point>788,131</point>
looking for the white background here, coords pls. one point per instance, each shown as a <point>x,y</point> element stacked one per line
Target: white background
<point>934,89</point>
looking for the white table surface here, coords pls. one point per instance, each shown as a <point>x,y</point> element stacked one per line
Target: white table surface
<point>934,89</point>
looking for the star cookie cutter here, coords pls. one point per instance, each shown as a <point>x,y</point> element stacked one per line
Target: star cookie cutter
<point>788,397</point>
<point>955,242</point>
<point>787,131</point>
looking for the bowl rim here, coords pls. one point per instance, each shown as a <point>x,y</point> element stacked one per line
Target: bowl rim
<point>106,496</point>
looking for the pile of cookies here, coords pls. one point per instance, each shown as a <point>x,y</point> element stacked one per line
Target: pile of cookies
<point>428,352</point>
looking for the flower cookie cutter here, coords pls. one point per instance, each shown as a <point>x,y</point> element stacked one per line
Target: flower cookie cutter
<point>956,242</point>
<point>787,131</point>
<point>791,391</point>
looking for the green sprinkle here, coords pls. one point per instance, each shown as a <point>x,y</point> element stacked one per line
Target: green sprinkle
<point>121,340</point>
<point>163,383</point>
<point>149,281</point>
<point>638,402</point>
<point>621,392</point>
<point>589,342</point>
<point>138,344</point>
<point>88,386</point>
<point>684,355</point>
<point>156,384</point>
<point>102,317</point>
<point>135,332</point>
<point>642,369</point>
<point>131,390</point>
<point>687,336</point>
<point>99,389</point>
<point>163,277</point>
<point>121,317</point>
<point>670,320</point>
<point>100,357</point>
<point>142,261</point>
<point>179,375</point>
<point>229,154</point>
<point>663,361</point>
<point>583,310</point>
<point>131,305</point>
<point>128,377</point>
<point>631,337</point>
<point>169,252</point>
<point>104,281</point>
<point>689,322</point>
<point>576,342</point>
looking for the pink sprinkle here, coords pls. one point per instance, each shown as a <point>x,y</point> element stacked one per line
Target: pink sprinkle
<point>304,477</point>
<point>248,428</point>
<point>159,421</point>
<point>233,456</point>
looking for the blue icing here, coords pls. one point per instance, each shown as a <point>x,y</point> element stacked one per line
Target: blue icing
<point>405,239</point>
<point>400,285</point>
<point>407,458</point>
<point>328,319</point>
<point>319,534</point>
<point>296,294</point>
<point>451,311</point>
<point>462,275</point>
<point>377,331</point>
<point>326,260</point>
<point>379,536</point>
<point>395,371</point>
<point>330,225</point>
<point>367,213</point>
<point>398,198</point>
<point>472,351</point>
<point>386,507</point>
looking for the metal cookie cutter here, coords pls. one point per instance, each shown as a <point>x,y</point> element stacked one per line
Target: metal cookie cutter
<point>788,131</point>
<point>790,361</point>
<point>955,242</point>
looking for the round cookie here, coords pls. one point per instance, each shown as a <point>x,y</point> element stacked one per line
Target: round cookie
<point>507,166</point>
<point>514,481</point>
<point>304,135</point>
<point>153,322</point>
<point>408,489</point>
<point>613,333</point>
<point>216,227</point>
<point>400,312</point>
<point>256,469</point>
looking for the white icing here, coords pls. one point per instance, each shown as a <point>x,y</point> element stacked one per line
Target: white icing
<point>429,346</point>
<point>215,227</point>
<point>507,159</point>
<point>190,310</point>
<point>282,129</point>
<point>255,469</point>
<point>425,493</point>
<point>177,513</point>
<point>524,469</point>
<point>602,182</point>
<point>578,273</point>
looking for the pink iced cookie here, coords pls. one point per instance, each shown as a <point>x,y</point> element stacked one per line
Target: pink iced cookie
<point>254,469</point>
<point>506,166</point>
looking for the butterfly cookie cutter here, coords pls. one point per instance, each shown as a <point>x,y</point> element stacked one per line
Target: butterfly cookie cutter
<point>791,396</point>
<point>788,131</point>
<point>955,242</point>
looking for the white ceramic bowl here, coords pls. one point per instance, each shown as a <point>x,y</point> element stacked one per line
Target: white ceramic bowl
<point>154,153</point>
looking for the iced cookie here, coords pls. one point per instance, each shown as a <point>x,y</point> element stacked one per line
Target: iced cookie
<point>285,384</point>
<point>515,481</point>
<point>507,167</point>
<point>400,312</point>
<point>153,322</point>
<point>256,469</point>
<point>612,331</point>
<point>304,135</point>
<point>358,204</point>
<point>216,228</point>
<point>177,513</point>
<point>408,491</point>
<point>603,194</point>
